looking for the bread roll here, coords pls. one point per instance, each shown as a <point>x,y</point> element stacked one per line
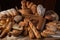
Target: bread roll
<point>17,18</point>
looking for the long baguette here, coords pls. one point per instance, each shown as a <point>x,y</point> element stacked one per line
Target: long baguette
<point>37,34</point>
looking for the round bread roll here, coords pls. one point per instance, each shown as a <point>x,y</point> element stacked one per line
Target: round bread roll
<point>17,18</point>
<point>51,15</point>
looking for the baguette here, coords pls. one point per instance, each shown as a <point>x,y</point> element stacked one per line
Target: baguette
<point>37,34</point>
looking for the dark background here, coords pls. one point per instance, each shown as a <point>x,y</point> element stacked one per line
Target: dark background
<point>7,4</point>
<point>57,7</point>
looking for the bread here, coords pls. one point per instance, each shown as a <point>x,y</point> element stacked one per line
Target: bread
<point>36,33</point>
<point>17,18</point>
<point>6,30</point>
<point>31,34</point>
<point>15,32</point>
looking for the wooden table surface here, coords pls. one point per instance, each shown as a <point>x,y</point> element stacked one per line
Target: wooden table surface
<point>27,38</point>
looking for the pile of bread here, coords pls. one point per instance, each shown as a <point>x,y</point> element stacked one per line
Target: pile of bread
<point>28,22</point>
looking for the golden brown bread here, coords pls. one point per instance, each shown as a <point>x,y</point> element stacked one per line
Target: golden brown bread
<point>46,33</point>
<point>2,22</point>
<point>49,32</point>
<point>6,30</point>
<point>31,34</point>
<point>17,18</point>
<point>15,32</point>
<point>33,28</point>
<point>28,8</point>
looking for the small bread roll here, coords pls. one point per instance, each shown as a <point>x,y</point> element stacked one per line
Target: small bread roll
<point>17,18</point>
